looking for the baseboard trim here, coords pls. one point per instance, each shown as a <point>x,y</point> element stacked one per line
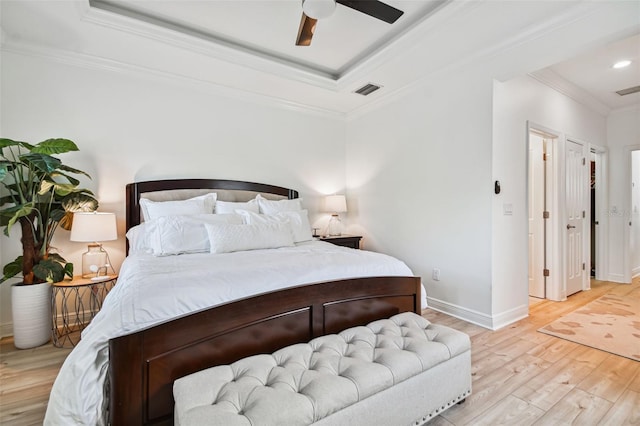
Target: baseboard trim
<point>616,278</point>
<point>492,322</point>
<point>506,318</point>
<point>6,329</point>
<point>469,315</point>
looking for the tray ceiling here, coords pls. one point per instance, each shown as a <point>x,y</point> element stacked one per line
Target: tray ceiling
<point>268,28</point>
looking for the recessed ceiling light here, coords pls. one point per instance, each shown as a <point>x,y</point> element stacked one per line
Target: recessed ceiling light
<point>622,64</point>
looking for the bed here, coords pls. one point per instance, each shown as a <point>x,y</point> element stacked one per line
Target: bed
<point>169,316</point>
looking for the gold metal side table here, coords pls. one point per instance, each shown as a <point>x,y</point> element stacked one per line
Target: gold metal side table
<point>74,303</point>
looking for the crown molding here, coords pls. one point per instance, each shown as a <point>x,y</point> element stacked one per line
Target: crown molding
<point>83,60</point>
<point>553,80</point>
<point>528,34</point>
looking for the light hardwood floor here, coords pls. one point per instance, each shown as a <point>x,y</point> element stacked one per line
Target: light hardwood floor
<point>520,376</point>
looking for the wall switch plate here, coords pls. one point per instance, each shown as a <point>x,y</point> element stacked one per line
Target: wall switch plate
<point>436,274</point>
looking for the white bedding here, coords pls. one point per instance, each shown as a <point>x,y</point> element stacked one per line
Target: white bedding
<point>153,289</point>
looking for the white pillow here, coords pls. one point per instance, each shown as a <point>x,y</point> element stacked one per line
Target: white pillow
<point>298,222</point>
<point>226,238</point>
<point>225,207</point>
<point>196,205</point>
<point>272,207</point>
<point>138,237</point>
<point>171,235</point>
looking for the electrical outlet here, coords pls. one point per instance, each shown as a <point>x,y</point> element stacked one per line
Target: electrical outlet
<point>436,274</point>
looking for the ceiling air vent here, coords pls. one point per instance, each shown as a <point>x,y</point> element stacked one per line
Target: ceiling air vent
<point>367,89</point>
<point>630,90</point>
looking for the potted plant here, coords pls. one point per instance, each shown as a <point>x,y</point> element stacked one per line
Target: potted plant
<point>38,193</point>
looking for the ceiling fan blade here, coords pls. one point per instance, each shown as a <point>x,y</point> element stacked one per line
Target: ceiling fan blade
<point>374,8</point>
<point>305,32</point>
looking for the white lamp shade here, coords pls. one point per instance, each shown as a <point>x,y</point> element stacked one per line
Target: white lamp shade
<point>335,203</point>
<point>93,227</point>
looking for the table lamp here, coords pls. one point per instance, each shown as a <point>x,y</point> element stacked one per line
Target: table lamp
<point>335,204</point>
<point>94,227</point>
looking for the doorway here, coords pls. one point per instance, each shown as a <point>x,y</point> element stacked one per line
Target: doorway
<point>558,211</point>
<point>576,239</point>
<point>542,186</point>
<point>634,219</point>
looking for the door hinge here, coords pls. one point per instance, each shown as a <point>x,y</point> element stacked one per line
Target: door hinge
<point>584,266</point>
<point>545,272</point>
<point>545,215</point>
<point>584,214</point>
<point>584,161</point>
<point>544,156</point>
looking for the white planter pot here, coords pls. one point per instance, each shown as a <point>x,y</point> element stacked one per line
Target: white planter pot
<point>31,309</point>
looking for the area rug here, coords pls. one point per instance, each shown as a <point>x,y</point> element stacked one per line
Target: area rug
<point>610,323</point>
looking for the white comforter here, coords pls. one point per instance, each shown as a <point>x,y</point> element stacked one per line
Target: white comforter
<point>153,289</point>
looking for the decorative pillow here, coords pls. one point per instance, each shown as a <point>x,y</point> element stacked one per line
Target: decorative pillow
<point>225,207</point>
<point>138,237</point>
<point>196,205</point>
<point>272,207</point>
<point>226,238</point>
<point>171,235</point>
<point>298,221</point>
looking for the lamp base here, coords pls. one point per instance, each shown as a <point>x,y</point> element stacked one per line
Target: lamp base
<point>94,261</point>
<point>334,228</point>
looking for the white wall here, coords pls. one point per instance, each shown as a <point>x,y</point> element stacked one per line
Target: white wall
<point>420,174</point>
<point>515,102</point>
<point>419,178</point>
<point>133,127</point>
<point>623,134</point>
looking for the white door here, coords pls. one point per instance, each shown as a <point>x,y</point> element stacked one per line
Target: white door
<point>536,221</point>
<point>575,202</point>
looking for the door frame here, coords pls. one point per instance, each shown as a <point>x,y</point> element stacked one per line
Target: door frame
<point>602,197</point>
<point>626,246</point>
<point>554,193</point>
<point>586,228</point>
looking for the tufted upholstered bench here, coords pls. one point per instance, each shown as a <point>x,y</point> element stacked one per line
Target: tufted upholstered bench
<point>398,371</point>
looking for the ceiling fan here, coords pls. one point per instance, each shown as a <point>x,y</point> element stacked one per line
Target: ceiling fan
<point>312,10</point>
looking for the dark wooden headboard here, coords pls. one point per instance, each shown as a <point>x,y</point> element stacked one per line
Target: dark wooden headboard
<point>136,189</point>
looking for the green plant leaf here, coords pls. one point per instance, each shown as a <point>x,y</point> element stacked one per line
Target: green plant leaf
<point>68,270</point>
<point>49,270</point>
<point>71,179</point>
<point>57,215</point>
<point>61,189</point>
<point>76,202</point>
<point>5,167</point>
<point>4,143</point>
<point>11,269</point>
<point>56,258</point>
<point>6,200</point>
<point>45,186</point>
<point>41,162</point>
<point>54,146</point>
<point>72,170</point>
<point>18,212</point>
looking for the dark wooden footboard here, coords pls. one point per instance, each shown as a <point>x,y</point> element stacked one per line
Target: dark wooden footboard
<point>144,365</point>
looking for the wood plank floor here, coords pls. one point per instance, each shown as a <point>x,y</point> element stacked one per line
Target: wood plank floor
<point>520,376</point>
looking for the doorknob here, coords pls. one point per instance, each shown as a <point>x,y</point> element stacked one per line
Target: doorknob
<point>570,226</point>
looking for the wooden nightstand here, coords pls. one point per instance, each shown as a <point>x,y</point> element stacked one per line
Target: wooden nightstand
<point>352,241</point>
<point>74,303</point>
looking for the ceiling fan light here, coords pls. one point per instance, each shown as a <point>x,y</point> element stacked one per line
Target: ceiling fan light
<point>318,9</point>
<point>622,64</point>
